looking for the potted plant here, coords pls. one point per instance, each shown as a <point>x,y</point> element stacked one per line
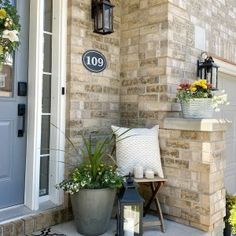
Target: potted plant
<point>92,185</point>
<point>198,100</point>
<point>230,218</point>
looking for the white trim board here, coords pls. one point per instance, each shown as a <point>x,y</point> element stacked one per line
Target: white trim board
<point>225,67</point>
<point>35,101</point>
<point>58,109</point>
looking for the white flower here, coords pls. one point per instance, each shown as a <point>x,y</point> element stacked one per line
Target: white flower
<point>12,35</point>
<point>219,99</point>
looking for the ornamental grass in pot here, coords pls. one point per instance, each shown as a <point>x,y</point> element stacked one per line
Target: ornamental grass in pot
<point>199,100</point>
<point>92,184</point>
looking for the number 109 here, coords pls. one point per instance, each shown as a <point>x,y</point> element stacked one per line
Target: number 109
<point>95,61</point>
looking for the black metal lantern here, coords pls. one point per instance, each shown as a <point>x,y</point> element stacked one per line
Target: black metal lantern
<point>207,69</point>
<point>102,13</point>
<point>130,211</point>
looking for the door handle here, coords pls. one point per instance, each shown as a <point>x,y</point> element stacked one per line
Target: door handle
<point>21,114</point>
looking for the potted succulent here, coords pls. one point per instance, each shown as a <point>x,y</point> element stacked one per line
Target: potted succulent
<point>230,218</point>
<point>92,185</point>
<point>199,100</point>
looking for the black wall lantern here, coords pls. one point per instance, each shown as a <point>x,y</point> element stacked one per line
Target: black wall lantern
<point>130,210</point>
<point>102,13</point>
<point>208,70</point>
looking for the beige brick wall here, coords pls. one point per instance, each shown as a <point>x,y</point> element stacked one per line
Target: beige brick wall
<point>93,100</point>
<point>144,90</point>
<point>35,222</point>
<point>193,162</point>
<point>215,19</point>
<point>152,50</point>
<point>159,50</point>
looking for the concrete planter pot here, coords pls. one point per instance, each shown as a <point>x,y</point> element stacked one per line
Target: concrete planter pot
<point>92,210</point>
<point>227,229</point>
<point>197,108</point>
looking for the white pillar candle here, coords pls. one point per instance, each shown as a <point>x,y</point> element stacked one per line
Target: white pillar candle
<point>138,172</point>
<point>129,227</point>
<point>149,174</point>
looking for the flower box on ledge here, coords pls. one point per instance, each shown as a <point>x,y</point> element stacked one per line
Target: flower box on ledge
<point>199,100</point>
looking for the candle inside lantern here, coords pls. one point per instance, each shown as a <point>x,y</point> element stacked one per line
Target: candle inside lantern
<point>138,172</point>
<point>149,174</point>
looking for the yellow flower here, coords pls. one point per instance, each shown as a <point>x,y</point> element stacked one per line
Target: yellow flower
<point>3,14</point>
<point>203,82</point>
<point>1,49</point>
<point>200,83</point>
<point>193,89</point>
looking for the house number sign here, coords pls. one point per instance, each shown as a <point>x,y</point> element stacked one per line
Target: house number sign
<point>94,61</point>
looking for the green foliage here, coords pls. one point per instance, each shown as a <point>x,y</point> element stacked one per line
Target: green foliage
<point>201,89</point>
<point>93,172</point>
<point>230,201</point>
<point>232,219</point>
<point>83,177</point>
<point>231,211</point>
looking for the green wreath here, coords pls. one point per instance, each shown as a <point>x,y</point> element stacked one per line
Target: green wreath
<point>9,29</point>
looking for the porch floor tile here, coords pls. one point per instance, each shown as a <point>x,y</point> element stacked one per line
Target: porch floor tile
<point>172,229</point>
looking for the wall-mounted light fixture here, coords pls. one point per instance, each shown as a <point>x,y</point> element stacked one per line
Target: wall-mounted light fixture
<point>102,13</point>
<point>207,69</point>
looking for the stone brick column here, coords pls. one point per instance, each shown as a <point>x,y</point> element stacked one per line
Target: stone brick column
<point>193,158</point>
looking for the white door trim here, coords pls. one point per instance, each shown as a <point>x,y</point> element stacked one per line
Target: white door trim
<point>35,102</point>
<point>57,141</point>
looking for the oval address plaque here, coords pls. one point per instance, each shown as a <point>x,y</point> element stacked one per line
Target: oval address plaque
<point>94,61</point>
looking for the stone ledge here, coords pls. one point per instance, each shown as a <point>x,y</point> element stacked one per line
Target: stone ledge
<point>26,225</point>
<point>209,125</point>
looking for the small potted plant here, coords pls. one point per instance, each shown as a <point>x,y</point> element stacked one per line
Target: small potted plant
<point>199,100</point>
<point>92,185</point>
<point>230,218</point>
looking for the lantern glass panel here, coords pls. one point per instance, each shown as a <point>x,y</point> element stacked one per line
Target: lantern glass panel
<point>107,14</point>
<point>131,220</point>
<point>100,17</point>
<point>208,75</point>
<point>203,72</point>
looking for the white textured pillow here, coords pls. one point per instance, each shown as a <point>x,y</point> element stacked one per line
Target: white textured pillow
<point>137,146</point>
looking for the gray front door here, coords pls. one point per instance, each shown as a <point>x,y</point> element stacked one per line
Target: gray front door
<point>13,118</point>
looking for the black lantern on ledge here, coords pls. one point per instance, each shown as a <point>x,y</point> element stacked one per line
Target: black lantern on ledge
<point>130,211</point>
<point>102,13</point>
<point>207,69</point>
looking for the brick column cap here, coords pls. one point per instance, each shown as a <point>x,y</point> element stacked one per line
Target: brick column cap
<point>209,125</point>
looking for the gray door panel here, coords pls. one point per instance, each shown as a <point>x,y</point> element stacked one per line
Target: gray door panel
<point>12,147</point>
